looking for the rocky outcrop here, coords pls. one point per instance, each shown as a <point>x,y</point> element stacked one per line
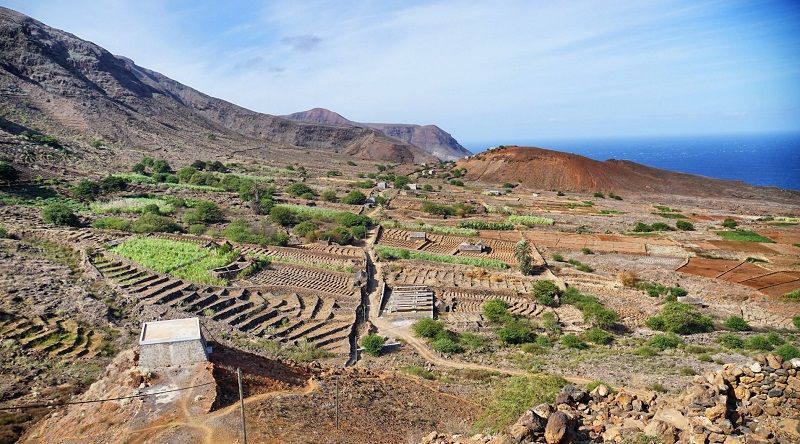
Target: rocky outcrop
<point>759,403</point>
<point>429,138</point>
<point>77,90</point>
<point>553,170</point>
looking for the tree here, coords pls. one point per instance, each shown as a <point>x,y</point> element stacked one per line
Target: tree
<point>185,174</point>
<point>298,189</point>
<point>8,173</point>
<point>400,182</point>
<point>373,344</point>
<point>59,214</point>
<point>522,251</point>
<point>354,197</point>
<point>737,323</point>
<point>306,229</point>
<point>153,223</point>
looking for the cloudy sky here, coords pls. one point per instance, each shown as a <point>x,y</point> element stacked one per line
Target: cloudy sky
<point>485,71</point>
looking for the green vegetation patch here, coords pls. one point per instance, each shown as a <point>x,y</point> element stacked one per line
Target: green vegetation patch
<point>131,205</point>
<point>516,395</point>
<point>182,259</point>
<point>480,225</point>
<point>744,236</point>
<point>529,221</point>
<point>436,229</point>
<point>392,253</point>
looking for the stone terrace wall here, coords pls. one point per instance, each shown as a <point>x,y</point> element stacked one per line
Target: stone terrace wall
<point>755,404</point>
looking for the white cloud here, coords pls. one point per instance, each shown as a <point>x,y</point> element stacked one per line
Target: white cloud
<point>481,70</point>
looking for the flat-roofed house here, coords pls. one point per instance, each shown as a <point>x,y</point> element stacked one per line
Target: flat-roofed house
<point>417,235</point>
<point>469,246</point>
<point>172,342</point>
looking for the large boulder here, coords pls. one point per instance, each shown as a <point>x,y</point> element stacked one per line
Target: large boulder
<point>527,426</point>
<point>558,429</point>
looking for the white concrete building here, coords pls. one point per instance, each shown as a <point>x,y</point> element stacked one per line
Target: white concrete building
<point>172,342</point>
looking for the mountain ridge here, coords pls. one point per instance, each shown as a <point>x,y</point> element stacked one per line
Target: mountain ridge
<point>75,88</point>
<point>430,138</point>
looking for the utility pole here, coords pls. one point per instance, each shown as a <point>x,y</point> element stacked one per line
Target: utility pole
<point>241,403</point>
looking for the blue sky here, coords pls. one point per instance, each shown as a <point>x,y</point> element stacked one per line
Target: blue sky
<point>484,71</point>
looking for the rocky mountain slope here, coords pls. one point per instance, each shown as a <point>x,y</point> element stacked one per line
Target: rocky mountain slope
<point>430,138</point>
<point>554,170</point>
<point>58,84</point>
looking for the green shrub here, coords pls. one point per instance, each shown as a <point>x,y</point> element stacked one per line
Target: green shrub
<point>373,344</point>
<point>793,295</point>
<point>446,344</point>
<point>306,229</point>
<point>516,331</point>
<point>558,258</point>
<point>796,322</point>
<point>338,235</point>
<point>646,351</point>
<point>283,216</point>
<point>86,190</point>
<point>550,323</point>
<point>569,340</point>
<point>641,227</point>
<point>472,341</point>
<point>731,341</point>
<point>787,352</point>
<point>599,194</point>
<point>205,212</point>
<point>496,310</point>
<point>586,250</point>
<point>598,336</point>
<point>3,232</point>
<point>593,311</point>
<point>686,371</point>
<point>153,223</point>
<point>684,225</point>
<point>737,323</point>
<point>661,226</point>
<point>354,197</point>
<point>759,342</point>
<point>481,225</point>
<point>351,220</point>
<point>329,196</point>
<point>58,213</point>
<point>729,223</point>
<point>530,221</point>
<point>677,317</point>
<point>614,196</point>
<point>546,292</point>
<point>663,342</point>
<point>197,229</point>
<point>427,328</point>
<point>298,189</point>
<point>112,223</point>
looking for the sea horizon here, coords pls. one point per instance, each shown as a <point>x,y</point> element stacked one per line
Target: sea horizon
<point>762,159</point>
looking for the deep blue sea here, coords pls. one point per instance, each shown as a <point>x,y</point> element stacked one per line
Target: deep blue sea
<point>762,159</point>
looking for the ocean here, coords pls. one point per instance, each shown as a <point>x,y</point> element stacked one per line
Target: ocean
<point>758,159</point>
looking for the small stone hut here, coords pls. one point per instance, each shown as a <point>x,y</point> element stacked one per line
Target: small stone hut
<point>172,342</point>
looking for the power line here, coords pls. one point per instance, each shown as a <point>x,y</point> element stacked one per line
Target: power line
<point>141,395</point>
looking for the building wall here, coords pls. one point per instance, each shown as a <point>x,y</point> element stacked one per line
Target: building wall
<point>172,353</point>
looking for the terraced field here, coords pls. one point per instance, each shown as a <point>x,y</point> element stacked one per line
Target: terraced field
<point>292,276</point>
<point>287,315</point>
<point>768,282</point>
<point>456,276</point>
<point>51,335</point>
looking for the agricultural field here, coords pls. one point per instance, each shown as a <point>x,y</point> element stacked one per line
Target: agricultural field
<point>181,259</point>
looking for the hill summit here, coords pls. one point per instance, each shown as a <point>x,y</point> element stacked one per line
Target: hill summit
<point>429,138</point>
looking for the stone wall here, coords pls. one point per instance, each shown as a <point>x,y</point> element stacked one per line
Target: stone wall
<point>172,353</point>
<point>754,404</point>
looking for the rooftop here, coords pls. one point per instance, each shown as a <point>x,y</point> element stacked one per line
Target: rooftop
<point>173,330</point>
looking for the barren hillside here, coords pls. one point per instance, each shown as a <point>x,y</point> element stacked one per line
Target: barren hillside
<point>58,84</point>
<point>551,170</point>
